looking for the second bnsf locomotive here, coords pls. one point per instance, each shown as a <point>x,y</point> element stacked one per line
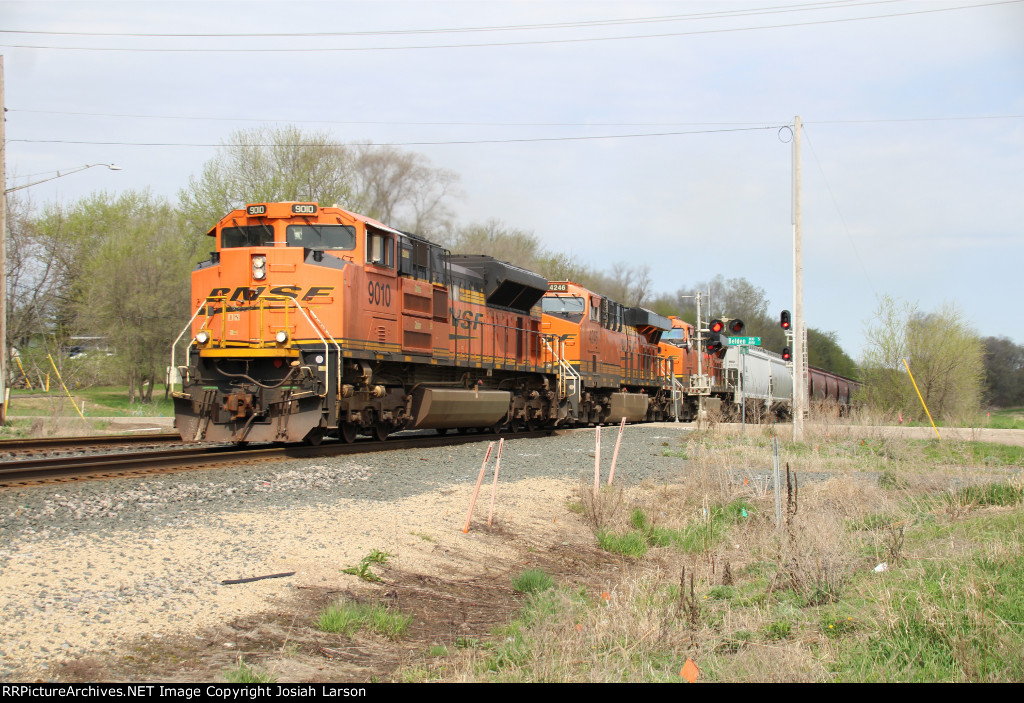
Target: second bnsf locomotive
<point>312,321</point>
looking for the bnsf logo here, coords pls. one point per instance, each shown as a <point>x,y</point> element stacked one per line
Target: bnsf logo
<point>246,294</point>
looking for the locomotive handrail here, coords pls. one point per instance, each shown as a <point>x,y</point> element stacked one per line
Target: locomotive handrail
<point>327,353</point>
<point>262,300</point>
<point>182,334</point>
<point>567,370</point>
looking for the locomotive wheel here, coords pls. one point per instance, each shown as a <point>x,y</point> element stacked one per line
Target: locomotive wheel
<point>381,431</point>
<point>442,431</point>
<point>516,426</point>
<point>348,431</point>
<point>314,437</point>
<point>495,428</point>
<point>531,425</point>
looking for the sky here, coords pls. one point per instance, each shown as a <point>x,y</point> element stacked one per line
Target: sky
<point>647,133</point>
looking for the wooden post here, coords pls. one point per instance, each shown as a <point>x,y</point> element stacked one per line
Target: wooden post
<point>494,486</point>
<point>615,454</point>
<point>479,482</point>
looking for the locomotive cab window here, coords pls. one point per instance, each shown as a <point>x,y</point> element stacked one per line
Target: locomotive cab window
<point>380,249</point>
<point>676,336</point>
<point>321,236</point>
<point>250,236</point>
<point>569,307</point>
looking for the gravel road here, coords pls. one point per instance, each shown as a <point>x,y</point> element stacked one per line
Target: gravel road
<point>86,568</point>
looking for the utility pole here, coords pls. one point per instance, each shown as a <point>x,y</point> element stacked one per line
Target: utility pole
<point>3,252</point>
<point>799,384</point>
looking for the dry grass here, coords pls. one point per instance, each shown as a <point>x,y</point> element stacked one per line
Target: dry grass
<point>800,601</point>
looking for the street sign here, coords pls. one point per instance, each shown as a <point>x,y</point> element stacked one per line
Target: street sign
<point>744,341</point>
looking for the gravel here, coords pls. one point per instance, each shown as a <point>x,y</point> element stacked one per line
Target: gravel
<point>87,567</point>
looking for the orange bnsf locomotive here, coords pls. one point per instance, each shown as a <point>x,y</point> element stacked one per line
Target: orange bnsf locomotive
<point>312,321</point>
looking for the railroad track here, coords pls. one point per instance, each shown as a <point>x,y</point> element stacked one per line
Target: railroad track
<point>51,443</point>
<point>29,472</point>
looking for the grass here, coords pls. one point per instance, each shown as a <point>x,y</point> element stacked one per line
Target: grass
<point>346,618</point>
<point>711,577</point>
<point>1007,419</point>
<point>696,536</point>
<point>244,673</point>
<point>532,581</point>
<point>101,401</point>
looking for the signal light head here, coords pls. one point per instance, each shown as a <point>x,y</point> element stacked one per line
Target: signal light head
<point>784,320</point>
<point>717,326</point>
<point>714,343</point>
<point>787,355</point>
<point>736,326</point>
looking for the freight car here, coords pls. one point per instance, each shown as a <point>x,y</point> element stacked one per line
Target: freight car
<point>314,321</point>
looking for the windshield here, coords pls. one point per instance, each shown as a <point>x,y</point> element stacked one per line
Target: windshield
<point>254,236</point>
<point>322,236</point>
<point>569,307</point>
<point>676,337</point>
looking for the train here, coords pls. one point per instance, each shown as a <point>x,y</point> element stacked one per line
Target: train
<point>311,322</point>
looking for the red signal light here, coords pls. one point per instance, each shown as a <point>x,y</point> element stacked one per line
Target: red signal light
<point>784,322</point>
<point>787,355</point>
<point>714,343</point>
<point>736,326</point>
<point>717,326</point>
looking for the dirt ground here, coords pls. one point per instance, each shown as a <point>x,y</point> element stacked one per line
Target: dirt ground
<point>457,588</point>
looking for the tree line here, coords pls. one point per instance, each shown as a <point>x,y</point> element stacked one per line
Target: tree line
<point>117,266</point>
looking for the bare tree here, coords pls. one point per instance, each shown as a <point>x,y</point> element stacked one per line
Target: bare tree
<point>268,164</point>
<point>401,188</point>
<point>496,239</point>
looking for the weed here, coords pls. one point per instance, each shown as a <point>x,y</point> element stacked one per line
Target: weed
<point>363,569</point>
<point>243,673</point>
<point>532,581</point>
<point>600,510</point>
<point>630,544</point>
<point>778,630</point>
<point>835,626</point>
<point>893,537</point>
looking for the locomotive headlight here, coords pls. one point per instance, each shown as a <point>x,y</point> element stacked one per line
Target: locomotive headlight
<point>203,337</point>
<point>259,267</point>
<point>281,336</point>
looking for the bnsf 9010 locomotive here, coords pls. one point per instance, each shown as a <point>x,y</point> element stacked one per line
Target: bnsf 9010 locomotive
<point>314,321</point>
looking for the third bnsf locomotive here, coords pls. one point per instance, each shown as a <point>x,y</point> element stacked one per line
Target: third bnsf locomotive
<point>314,321</point>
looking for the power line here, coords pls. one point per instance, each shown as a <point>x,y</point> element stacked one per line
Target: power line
<point>658,19</point>
<point>201,118</point>
<point>386,122</point>
<point>535,42</point>
<point>435,143</point>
